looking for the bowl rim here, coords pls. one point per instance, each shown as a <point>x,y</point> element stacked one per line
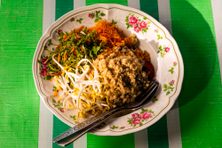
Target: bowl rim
<point>47,34</point>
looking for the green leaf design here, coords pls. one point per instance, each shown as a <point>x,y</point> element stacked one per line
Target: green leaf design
<point>144,30</point>
<point>145,18</point>
<point>126,19</point>
<point>161,51</point>
<point>127,25</point>
<point>130,121</point>
<point>72,19</point>
<point>79,20</point>
<point>168,92</point>
<point>102,14</point>
<point>97,19</point>
<point>114,127</point>
<point>171,88</point>
<point>97,15</point>
<point>159,37</point>
<point>143,110</point>
<point>171,70</point>
<point>168,88</point>
<point>162,54</point>
<point>73,117</point>
<point>57,104</point>
<point>154,99</point>
<point>114,22</point>
<point>150,111</point>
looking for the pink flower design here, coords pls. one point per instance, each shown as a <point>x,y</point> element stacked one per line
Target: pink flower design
<point>167,49</point>
<point>135,122</point>
<point>132,20</point>
<point>135,115</point>
<point>140,118</point>
<point>136,118</point>
<point>174,63</point>
<point>138,24</point>
<point>137,28</point>
<point>91,15</point>
<point>146,115</point>
<point>172,82</point>
<point>143,24</point>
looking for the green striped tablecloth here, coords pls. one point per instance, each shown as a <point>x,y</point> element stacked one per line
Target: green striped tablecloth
<point>196,119</point>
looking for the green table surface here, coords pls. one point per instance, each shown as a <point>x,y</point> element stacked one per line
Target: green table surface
<point>198,112</point>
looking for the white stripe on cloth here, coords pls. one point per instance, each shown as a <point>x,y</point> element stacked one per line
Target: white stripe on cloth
<point>78,3</point>
<point>48,13</point>
<point>134,3</point>
<point>82,141</point>
<point>141,137</point>
<point>173,126</point>
<point>45,127</point>
<point>217,7</point>
<point>173,119</point>
<point>45,116</point>
<point>164,13</point>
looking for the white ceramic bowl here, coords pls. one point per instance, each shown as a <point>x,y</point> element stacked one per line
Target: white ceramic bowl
<point>165,56</point>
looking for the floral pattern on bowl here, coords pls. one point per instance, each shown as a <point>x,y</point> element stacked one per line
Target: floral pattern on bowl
<point>138,24</point>
<point>165,56</point>
<point>137,119</point>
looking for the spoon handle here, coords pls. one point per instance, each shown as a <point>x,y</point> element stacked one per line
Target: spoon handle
<point>65,140</point>
<point>87,123</point>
